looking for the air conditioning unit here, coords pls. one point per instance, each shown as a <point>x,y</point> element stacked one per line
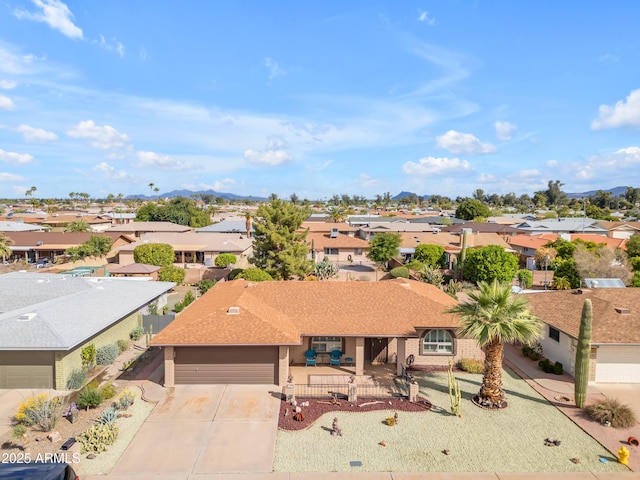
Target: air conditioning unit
<point>334,233</point>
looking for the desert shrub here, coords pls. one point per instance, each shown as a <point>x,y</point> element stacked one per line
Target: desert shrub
<point>107,354</point>
<point>224,260</point>
<point>635,263</point>
<point>89,397</point>
<point>122,345</point>
<point>97,437</point>
<point>471,365</point>
<point>399,272</point>
<point>548,367</point>
<point>172,273</point>
<point>19,431</point>
<point>205,285</point>
<point>415,265</point>
<point>108,391</point>
<point>136,333</point>
<point>40,410</point>
<point>124,401</point>
<point>391,421</point>
<point>76,379</point>
<point>109,416</point>
<point>613,411</point>
<point>534,352</point>
<point>186,301</point>
<point>255,275</point>
<point>88,356</point>
<point>635,281</point>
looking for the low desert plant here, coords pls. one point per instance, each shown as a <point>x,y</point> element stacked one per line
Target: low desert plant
<point>107,354</point>
<point>136,333</point>
<point>534,352</point>
<point>88,356</point>
<point>548,367</point>
<point>109,416</point>
<point>19,431</point>
<point>89,397</point>
<point>124,401</point>
<point>40,410</point>
<point>391,421</point>
<point>205,285</point>
<point>77,378</point>
<point>97,437</point>
<point>108,391</point>
<point>471,365</point>
<point>611,410</point>
<point>122,345</point>
<point>399,272</point>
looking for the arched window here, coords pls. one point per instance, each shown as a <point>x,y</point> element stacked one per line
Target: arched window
<point>437,341</point>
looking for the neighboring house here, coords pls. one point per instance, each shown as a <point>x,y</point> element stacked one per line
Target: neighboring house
<point>620,229</point>
<point>227,226</point>
<point>243,332</point>
<point>400,225</point>
<point>328,227</point>
<point>32,246</point>
<point>505,231</point>
<point>47,319</point>
<point>192,247</point>
<point>140,270</point>
<point>59,222</point>
<point>118,218</point>
<point>561,225</point>
<point>21,227</point>
<point>615,337</point>
<point>138,229</point>
<point>336,247</point>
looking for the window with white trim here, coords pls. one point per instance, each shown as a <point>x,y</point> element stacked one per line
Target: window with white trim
<point>330,251</point>
<point>326,344</point>
<point>437,341</point>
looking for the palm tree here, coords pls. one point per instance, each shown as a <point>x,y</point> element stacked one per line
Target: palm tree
<point>5,251</point>
<point>78,226</point>
<point>337,213</point>
<point>494,317</point>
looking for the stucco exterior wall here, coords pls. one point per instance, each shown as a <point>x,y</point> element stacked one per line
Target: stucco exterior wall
<point>463,348</point>
<point>66,362</point>
<point>562,351</point>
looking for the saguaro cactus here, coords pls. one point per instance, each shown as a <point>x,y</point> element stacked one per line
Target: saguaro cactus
<point>454,392</point>
<point>581,374</point>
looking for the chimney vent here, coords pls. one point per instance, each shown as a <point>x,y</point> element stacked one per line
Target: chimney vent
<point>233,311</point>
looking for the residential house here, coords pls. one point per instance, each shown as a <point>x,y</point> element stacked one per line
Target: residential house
<point>227,226</point>
<point>620,229</point>
<point>47,319</point>
<point>561,225</point>
<point>336,246</point>
<point>138,270</point>
<point>243,332</point>
<point>59,222</point>
<point>615,336</point>
<point>138,229</point>
<point>21,227</point>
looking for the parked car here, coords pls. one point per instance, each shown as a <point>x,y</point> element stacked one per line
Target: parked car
<point>43,263</point>
<point>37,471</point>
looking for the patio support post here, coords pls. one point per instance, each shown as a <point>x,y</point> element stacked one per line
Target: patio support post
<point>283,364</point>
<point>359,355</point>
<point>169,374</point>
<point>401,355</point>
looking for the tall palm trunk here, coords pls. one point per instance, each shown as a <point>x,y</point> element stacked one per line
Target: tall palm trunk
<point>491,390</point>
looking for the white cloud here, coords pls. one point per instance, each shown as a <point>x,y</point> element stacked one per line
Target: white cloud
<point>32,134</point>
<point>504,130</point>
<point>486,178</point>
<point>110,171</point>
<point>6,103</point>
<point>632,152</point>
<point>552,163</point>
<point>425,18</point>
<point>10,177</point>
<point>436,166</point>
<point>277,143</point>
<point>103,137</point>
<point>112,45</point>
<point>220,185</point>
<point>7,84</point>
<point>365,180</point>
<point>528,173</point>
<point>269,157</point>
<point>459,143</point>
<point>55,14</point>
<point>167,162</point>
<point>622,114</point>
<point>273,67</point>
<point>15,158</point>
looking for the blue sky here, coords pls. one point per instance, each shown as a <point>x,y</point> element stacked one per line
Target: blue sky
<point>318,98</point>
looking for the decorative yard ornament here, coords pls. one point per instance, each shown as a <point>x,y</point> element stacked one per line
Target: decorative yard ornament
<point>583,350</point>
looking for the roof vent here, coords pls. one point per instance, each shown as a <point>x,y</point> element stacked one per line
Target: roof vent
<point>233,311</point>
<point>623,310</point>
<point>26,317</point>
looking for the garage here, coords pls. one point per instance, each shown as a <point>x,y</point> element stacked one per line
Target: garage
<point>25,369</point>
<point>222,365</point>
<point>618,364</point>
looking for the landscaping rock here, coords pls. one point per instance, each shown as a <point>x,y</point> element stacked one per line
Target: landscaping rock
<point>54,437</point>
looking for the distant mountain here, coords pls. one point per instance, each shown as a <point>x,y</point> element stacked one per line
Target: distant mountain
<point>404,194</point>
<point>189,193</point>
<point>615,192</point>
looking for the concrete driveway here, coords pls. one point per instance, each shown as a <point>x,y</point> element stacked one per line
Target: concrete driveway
<point>206,429</point>
<point>628,393</point>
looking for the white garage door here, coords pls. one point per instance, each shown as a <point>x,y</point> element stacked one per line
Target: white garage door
<point>618,365</point>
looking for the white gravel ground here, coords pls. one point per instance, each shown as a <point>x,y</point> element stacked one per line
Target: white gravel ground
<point>510,440</point>
<point>105,461</point>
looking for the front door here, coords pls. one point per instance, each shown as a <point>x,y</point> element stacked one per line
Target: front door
<point>378,348</point>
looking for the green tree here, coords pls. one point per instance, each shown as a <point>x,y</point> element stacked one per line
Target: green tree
<point>254,275</point>
<point>224,260</point>
<point>78,226</point>
<point>471,208</point>
<point>495,316</point>
<point>205,284</point>
<point>430,255</point>
<point>279,247</point>
<point>555,195</point>
<point>383,247</point>
<point>337,213</point>
<point>146,213</point>
<point>525,278</point>
<point>159,254</point>
<point>171,273</point>
<point>5,249</point>
<point>179,210</point>
<point>633,246</point>
<point>96,246</point>
<point>489,263</point>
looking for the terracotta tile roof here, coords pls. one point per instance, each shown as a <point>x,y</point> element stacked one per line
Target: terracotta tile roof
<point>323,240</point>
<point>562,310</point>
<point>611,242</point>
<point>532,241</point>
<point>282,312</point>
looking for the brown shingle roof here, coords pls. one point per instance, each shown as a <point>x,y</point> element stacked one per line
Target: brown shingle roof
<point>563,309</point>
<point>282,312</point>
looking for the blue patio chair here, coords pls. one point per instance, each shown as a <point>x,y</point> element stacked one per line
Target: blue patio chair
<point>310,358</point>
<point>334,357</point>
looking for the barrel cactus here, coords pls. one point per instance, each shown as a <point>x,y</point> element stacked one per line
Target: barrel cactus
<point>583,349</point>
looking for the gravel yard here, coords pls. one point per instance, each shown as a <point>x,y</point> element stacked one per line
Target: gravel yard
<point>511,440</point>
